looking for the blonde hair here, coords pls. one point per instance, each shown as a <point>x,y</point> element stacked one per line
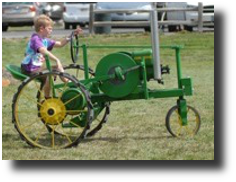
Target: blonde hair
<point>42,20</point>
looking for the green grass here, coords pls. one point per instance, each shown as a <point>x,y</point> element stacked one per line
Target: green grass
<point>135,129</point>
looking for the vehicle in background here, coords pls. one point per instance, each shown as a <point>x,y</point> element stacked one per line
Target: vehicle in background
<point>76,13</point>
<point>19,13</point>
<point>208,15</point>
<point>136,16</point>
<point>160,4</point>
<point>54,10</point>
<point>126,5</point>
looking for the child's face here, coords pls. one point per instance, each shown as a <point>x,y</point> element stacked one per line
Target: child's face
<point>46,31</point>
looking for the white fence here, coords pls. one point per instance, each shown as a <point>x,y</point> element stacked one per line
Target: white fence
<point>93,23</point>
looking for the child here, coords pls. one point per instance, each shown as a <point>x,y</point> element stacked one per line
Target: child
<point>39,46</point>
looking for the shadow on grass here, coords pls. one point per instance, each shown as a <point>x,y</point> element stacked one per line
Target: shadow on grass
<point>9,143</point>
<point>9,138</point>
<point>13,141</point>
<point>117,139</point>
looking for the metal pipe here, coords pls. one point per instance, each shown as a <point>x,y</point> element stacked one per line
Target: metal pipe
<point>155,45</point>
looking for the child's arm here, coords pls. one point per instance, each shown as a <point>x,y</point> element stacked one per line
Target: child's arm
<point>44,51</point>
<point>62,43</point>
<point>67,39</point>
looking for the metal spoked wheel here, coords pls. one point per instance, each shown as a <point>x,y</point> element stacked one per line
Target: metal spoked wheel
<point>78,71</point>
<point>174,123</point>
<point>74,47</point>
<point>32,117</point>
<point>99,119</point>
<point>103,109</point>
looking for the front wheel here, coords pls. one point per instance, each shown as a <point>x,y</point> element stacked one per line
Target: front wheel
<point>174,123</point>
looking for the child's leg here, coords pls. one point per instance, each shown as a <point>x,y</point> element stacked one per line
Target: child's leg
<point>47,88</point>
<point>45,81</point>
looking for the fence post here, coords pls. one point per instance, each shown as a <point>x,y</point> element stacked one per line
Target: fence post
<point>91,19</point>
<point>200,17</point>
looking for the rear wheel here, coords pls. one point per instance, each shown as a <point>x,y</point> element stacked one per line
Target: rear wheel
<point>33,116</point>
<point>99,119</point>
<point>102,109</point>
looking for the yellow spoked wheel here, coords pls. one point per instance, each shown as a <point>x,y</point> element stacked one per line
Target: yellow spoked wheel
<point>47,122</point>
<point>176,128</point>
<point>52,111</point>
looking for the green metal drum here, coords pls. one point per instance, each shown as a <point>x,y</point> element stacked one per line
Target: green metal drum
<point>147,55</point>
<point>123,83</point>
<point>74,99</point>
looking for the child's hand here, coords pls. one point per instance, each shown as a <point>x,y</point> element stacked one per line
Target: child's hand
<point>78,31</point>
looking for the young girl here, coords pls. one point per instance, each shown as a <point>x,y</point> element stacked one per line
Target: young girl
<point>39,46</point>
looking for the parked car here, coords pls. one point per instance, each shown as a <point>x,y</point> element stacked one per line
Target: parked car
<point>208,15</point>
<point>19,13</point>
<point>136,16</point>
<point>126,5</point>
<point>54,10</point>
<point>76,13</point>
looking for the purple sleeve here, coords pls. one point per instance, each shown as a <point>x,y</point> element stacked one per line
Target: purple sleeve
<point>51,44</point>
<point>37,42</point>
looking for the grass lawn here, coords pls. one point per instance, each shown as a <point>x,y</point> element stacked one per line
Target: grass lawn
<point>135,129</point>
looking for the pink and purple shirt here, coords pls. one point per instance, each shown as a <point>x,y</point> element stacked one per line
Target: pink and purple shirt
<point>33,59</point>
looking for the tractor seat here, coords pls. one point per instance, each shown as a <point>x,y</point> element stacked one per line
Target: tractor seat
<point>16,72</point>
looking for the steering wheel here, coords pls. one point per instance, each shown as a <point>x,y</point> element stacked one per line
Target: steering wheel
<point>74,47</point>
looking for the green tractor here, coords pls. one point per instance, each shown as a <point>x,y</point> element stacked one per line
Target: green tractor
<point>78,108</point>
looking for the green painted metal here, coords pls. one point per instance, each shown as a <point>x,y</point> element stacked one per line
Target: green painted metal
<point>48,64</point>
<point>144,78</point>
<point>129,46</point>
<point>78,120</point>
<point>186,84</point>
<point>140,94</point>
<point>102,76</point>
<point>74,99</point>
<point>118,77</point>
<point>85,59</point>
<point>142,53</point>
<point>146,54</point>
<point>16,72</point>
<point>123,83</point>
<point>182,110</point>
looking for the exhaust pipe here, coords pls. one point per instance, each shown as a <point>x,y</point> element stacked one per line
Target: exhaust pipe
<point>155,45</point>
